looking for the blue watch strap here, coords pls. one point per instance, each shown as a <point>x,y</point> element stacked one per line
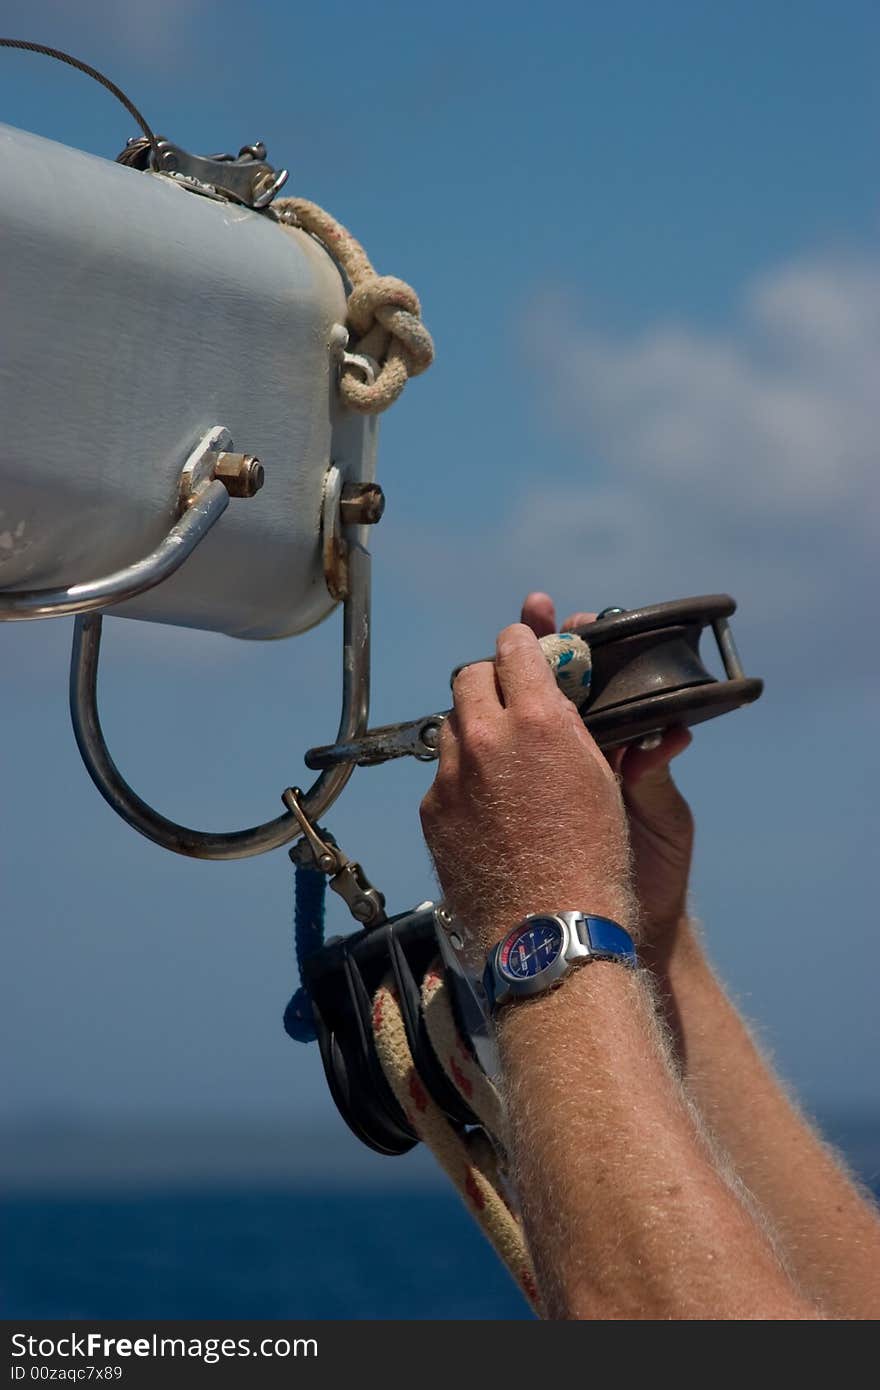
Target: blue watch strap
<point>606,938</point>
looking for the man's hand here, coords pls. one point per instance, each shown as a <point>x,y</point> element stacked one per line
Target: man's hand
<point>661,828</point>
<point>525,814</point>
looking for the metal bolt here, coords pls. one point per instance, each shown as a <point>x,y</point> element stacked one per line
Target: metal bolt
<point>362,909</point>
<point>361,504</point>
<point>242,474</point>
<point>430,735</point>
<point>169,160</point>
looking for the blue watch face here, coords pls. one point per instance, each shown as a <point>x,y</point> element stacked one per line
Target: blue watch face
<point>531,948</point>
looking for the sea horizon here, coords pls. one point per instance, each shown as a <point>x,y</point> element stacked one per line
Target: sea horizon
<point>258,1219</point>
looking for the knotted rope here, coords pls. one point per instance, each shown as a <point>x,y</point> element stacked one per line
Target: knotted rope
<point>384,313</point>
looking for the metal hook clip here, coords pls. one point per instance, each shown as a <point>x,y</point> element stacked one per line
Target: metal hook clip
<point>365,903</point>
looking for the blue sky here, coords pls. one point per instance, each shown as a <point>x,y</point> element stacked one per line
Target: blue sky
<point>645,239</point>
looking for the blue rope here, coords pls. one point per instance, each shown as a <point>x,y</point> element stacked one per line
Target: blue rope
<point>309,894</point>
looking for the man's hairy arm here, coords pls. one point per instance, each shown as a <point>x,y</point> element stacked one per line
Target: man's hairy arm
<point>626,1210</point>
<point>828,1229</point>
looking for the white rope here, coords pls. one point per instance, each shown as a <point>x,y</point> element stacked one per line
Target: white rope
<point>384,313</point>
<point>570,662</point>
<point>468,1157</point>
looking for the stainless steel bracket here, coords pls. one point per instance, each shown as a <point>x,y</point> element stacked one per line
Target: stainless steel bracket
<point>236,844</point>
<point>245,178</point>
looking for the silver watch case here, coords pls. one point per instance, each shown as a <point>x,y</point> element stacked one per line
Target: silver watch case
<point>575,946</point>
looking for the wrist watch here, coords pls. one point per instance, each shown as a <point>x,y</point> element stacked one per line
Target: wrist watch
<point>541,949</point>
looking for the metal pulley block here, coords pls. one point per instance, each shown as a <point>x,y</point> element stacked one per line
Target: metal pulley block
<point>337,994</point>
<point>647,675</point>
<point>342,978</point>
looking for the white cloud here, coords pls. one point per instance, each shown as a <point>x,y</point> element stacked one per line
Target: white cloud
<point>745,459</point>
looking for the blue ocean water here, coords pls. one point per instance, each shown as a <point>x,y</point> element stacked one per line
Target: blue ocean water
<point>264,1254</point>
<point>213,1248</point>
